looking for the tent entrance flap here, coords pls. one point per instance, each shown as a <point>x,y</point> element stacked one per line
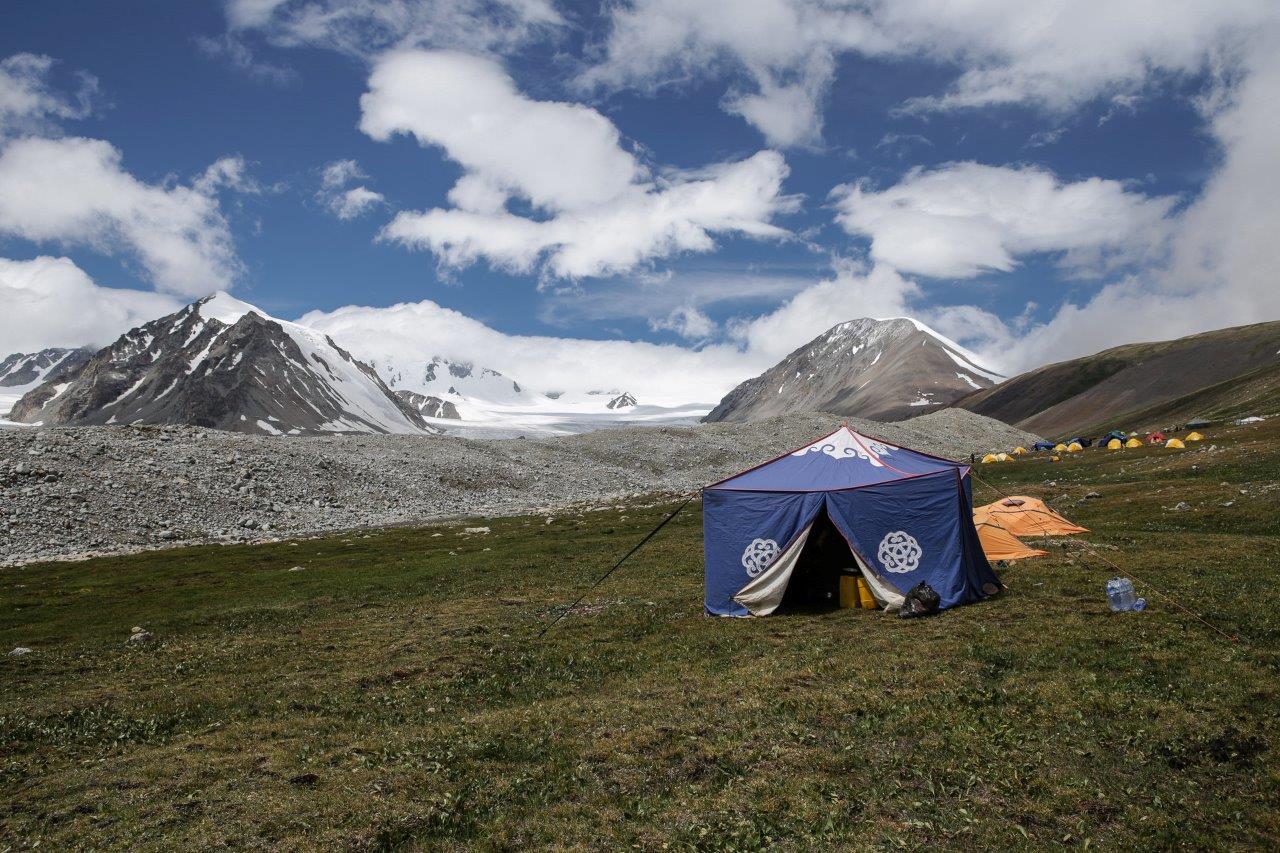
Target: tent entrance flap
<point>806,576</point>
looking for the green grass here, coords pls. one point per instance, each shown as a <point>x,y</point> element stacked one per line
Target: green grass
<point>394,694</point>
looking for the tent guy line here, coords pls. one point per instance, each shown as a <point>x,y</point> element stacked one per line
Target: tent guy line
<point>615,567</point>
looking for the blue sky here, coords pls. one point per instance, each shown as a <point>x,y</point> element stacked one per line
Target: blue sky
<point>1007,191</point>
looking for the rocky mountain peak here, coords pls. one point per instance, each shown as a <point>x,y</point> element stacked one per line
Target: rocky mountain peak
<point>21,369</point>
<point>223,363</point>
<point>622,401</point>
<point>882,369</point>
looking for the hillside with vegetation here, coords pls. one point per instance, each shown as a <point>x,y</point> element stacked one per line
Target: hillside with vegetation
<point>1218,375</point>
<point>391,689</point>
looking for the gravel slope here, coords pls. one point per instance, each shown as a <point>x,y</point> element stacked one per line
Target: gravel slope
<point>94,490</point>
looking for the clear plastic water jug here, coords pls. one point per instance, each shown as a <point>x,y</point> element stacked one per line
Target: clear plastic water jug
<point>1120,595</point>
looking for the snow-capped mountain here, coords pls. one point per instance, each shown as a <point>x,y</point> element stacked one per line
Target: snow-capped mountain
<point>465,399</point>
<point>429,407</point>
<point>624,400</point>
<point>884,370</point>
<point>21,372</point>
<point>223,363</point>
<point>470,391</point>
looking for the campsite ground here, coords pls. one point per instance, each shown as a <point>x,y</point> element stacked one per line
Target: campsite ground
<point>394,693</point>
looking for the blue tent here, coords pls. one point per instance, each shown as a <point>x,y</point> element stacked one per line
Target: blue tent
<point>1043,445</point>
<point>901,517</point>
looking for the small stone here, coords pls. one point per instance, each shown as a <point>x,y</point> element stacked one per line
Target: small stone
<point>1092,495</point>
<point>19,651</point>
<point>138,637</point>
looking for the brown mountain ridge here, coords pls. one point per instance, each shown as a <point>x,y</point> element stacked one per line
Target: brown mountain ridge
<point>1223,373</point>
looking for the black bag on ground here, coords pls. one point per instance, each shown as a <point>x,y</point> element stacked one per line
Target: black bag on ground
<point>920,601</point>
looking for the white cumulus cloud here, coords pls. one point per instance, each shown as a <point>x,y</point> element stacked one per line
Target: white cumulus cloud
<point>51,302</point>
<point>664,374</point>
<point>1220,270</point>
<point>962,219</point>
<point>28,100</point>
<point>687,321</point>
<point>339,197</point>
<point>75,192</point>
<point>368,27</point>
<point>1052,55</point>
<point>600,211</point>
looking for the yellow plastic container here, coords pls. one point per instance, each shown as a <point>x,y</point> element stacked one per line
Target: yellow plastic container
<point>849,591</point>
<point>865,598</point>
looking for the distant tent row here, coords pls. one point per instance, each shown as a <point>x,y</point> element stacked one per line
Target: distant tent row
<point>1114,440</point>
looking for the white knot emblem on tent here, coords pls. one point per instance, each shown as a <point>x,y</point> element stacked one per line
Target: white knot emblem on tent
<point>759,555</point>
<point>900,552</point>
<point>846,444</point>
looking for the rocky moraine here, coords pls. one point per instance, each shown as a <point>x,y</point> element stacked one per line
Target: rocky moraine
<point>93,490</point>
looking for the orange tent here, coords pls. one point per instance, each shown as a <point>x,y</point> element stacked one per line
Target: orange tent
<point>1024,516</point>
<point>1000,544</point>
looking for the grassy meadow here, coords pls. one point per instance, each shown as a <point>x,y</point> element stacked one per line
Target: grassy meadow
<point>393,692</point>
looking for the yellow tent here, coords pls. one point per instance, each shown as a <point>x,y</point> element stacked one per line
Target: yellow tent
<point>1060,448</point>
<point>1133,442</point>
<point>1075,447</point>
<point>989,458</point>
<point>1053,458</point>
<point>1195,436</point>
<point>1175,443</point>
<point>1022,451</point>
<point>1002,457</point>
<point>1024,516</point>
<point>1000,544</point>
<point>1114,444</point>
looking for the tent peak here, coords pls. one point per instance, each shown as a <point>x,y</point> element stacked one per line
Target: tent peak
<point>846,443</point>
<point>841,459</point>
